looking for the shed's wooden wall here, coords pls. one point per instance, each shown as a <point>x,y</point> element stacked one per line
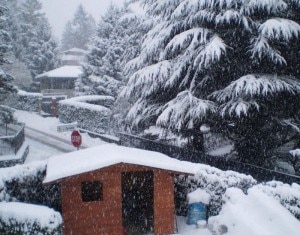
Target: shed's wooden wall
<point>105,217</point>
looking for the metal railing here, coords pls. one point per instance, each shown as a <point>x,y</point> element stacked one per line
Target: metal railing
<point>259,173</point>
<point>12,143</point>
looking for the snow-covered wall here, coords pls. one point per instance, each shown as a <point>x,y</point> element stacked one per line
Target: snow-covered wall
<point>24,101</point>
<point>90,112</point>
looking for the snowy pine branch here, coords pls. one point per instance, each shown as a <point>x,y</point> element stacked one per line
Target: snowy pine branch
<point>230,16</point>
<point>187,40</point>
<point>261,48</point>
<point>278,29</point>
<point>257,86</point>
<point>146,81</point>
<point>268,6</point>
<point>291,123</point>
<point>238,108</point>
<point>185,112</point>
<point>141,111</point>
<point>162,7</point>
<point>296,2</point>
<point>210,53</point>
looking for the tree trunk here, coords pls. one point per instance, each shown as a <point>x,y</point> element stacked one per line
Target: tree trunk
<point>198,141</point>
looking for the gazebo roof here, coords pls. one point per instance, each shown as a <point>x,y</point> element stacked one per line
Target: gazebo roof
<point>67,71</point>
<point>82,161</point>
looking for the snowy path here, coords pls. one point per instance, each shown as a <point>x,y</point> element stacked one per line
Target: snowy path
<point>49,140</point>
<point>43,139</point>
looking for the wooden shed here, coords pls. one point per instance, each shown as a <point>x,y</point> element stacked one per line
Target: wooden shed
<point>111,189</point>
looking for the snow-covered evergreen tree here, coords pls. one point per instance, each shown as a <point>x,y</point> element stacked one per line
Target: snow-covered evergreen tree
<point>5,48</point>
<point>234,59</point>
<point>102,74</point>
<point>31,34</point>
<point>79,31</point>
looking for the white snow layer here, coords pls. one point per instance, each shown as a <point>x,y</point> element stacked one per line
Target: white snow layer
<point>199,195</point>
<point>81,102</point>
<point>20,92</point>
<point>254,213</point>
<point>24,213</point>
<point>67,71</point>
<point>98,157</point>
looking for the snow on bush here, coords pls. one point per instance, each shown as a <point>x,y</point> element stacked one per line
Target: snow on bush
<point>287,195</point>
<point>253,213</point>
<point>21,218</point>
<point>24,101</point>
<point>23,183</point>
<point>199,195</point>
<point>90,112</point>
<point>215,182</point>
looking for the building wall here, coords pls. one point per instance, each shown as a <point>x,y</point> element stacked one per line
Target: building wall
<point>98,217</point>
<point>105,217</point>
<point>164,206</point>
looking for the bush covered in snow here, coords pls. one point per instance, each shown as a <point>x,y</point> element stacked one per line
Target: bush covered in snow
<point>23,183</point>
<point>24,101</point>
<point>287,195</point>
<point>27,219</point>
<point>251,213</point>
<point>214,182</point>
<point>90,112</point>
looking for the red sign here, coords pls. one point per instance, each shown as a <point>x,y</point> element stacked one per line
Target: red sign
<point>76,138</point>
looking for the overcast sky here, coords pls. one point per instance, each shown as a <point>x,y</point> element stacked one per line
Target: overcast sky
<point>60,11</point>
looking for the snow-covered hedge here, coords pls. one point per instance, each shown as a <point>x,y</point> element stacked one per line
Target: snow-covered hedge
<point>253,212</point>
<point>287,195</point>
<point>23,100</point>
<point>90,112</point>
<point>23,183</point>
<point>21,218</point>
<point>215,182</point>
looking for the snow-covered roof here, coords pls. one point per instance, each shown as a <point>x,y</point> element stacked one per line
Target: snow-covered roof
<point>75,49</point>
<point>78,162</point>
<point>67,71</point>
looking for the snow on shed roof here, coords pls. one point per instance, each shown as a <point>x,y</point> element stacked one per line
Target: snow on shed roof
<point>67,71</point>
<point>78,162</point>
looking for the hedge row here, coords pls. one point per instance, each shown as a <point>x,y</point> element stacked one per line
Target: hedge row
<point>24,101</point>
<point>20,218</point>
<point>92,113</point>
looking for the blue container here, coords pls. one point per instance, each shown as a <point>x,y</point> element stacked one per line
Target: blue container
<point>196,212</point>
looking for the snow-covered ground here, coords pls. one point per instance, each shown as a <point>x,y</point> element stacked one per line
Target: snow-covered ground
<point>254,213</point>
<point>40,151</point>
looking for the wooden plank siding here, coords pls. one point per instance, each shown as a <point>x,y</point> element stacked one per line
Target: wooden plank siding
<point>105,217</point>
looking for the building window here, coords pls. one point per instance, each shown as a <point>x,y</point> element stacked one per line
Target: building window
<point>91,191</point>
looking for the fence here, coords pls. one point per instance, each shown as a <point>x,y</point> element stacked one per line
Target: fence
<point>12,143</point>
<point>259,173</point>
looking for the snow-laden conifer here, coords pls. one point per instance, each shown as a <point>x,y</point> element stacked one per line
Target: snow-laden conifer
<point>114,43</point>
<point>5,49</point>
<point>79,31</point>
<point>31,36</point>
<point>242,55</point>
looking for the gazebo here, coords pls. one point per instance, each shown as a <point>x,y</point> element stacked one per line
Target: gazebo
<point>60,80</point>
<point>110,189</point>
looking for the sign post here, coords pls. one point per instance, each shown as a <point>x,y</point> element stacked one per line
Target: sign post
<point>76,139</point>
